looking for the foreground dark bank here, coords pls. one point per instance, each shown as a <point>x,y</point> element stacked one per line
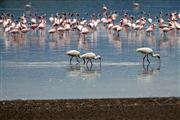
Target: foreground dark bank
<point>92,109</point>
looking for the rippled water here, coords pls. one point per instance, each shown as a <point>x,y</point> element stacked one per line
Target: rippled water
<point>35,67</point>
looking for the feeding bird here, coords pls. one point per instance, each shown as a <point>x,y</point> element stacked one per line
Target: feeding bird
<point>89,56</point>
<point>147,51</point>
<point>73,53</point>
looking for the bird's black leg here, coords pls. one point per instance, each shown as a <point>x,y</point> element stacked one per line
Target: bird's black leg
<point>71,60</point>
<point>87,61</point>
<point>91,62</point>
<point>148,59</point>
<point>144,58</point>
<point>84,60</point>
<point>77,60</point>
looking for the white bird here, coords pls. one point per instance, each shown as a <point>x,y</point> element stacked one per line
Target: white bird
<point>150,20</point>
<point>89,56</point>
<point>28,6</point>
<point>147,51</point>
<point>135,4</point>
<point>73,53</point>
<point>104,8</point>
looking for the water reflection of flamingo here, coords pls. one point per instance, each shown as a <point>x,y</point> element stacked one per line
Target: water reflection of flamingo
<point>151,40</point>
<point>147,51</point>
<point>83,44</point>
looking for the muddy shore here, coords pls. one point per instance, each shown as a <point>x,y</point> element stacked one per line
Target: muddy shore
<point>92,109</point>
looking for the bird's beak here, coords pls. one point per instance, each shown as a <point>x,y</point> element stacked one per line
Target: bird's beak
<point>159,59</point>
<point>100,60</point>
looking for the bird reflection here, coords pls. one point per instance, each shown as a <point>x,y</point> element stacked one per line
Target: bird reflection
<point>74,70</point>
<point>151,39</point>
<point>83,44</point>
<point>91,72</point>
<point>74,67</point>
<point>91,68</point>
<point>148,72</point>
<point>53,44</point>
<point>84,71</point>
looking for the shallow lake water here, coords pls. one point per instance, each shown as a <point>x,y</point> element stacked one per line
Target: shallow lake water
<point>36,67</point>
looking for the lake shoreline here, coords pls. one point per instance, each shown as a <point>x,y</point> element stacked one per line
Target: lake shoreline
<point>165,108</point>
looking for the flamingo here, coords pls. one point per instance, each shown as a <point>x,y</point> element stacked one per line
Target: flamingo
<point>1,19</point>
<point>73,53</point>
<point>150,29</point>
<point>51,19</point>
<point>117,28</point>
<point>61,29</point>
<point>166,29</point>
<point>67,27</point>
<point>110,26</point>
<point>25,29</point>
<point>147,51</point>
<point>41,25</point>
<point>177,25</point>
<point>52,31</point>
<point>89,56</point>
<point>34,26</point>
<point>84,31</point>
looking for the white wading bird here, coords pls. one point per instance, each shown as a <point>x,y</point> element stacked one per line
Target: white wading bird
<point>73,53</point>
<point>89,56</point>
<point>147,51</point>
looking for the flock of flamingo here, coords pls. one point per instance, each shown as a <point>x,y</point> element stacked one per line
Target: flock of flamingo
<point>65,22</point>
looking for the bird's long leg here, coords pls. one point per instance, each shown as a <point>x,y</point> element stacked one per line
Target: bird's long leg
<point>84,60</point>
<point>77,60</point>
<point>148,59</point>
<point>144,58</point>
<point>91,62</point>
<point>71,60</point>
<point>87,61</point>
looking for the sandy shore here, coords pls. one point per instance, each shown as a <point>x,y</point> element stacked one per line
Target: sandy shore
<point>92,109</point>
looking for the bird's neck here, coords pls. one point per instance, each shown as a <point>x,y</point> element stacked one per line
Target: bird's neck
<point>154,55</point>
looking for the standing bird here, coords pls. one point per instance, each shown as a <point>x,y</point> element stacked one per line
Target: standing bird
<point>147,51</point>
<point>135,4</point>
<point>73,53</point>
<point>89,56</point>
<point>28,6</point>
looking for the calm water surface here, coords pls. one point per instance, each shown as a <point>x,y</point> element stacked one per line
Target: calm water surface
<point>35,67</point>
